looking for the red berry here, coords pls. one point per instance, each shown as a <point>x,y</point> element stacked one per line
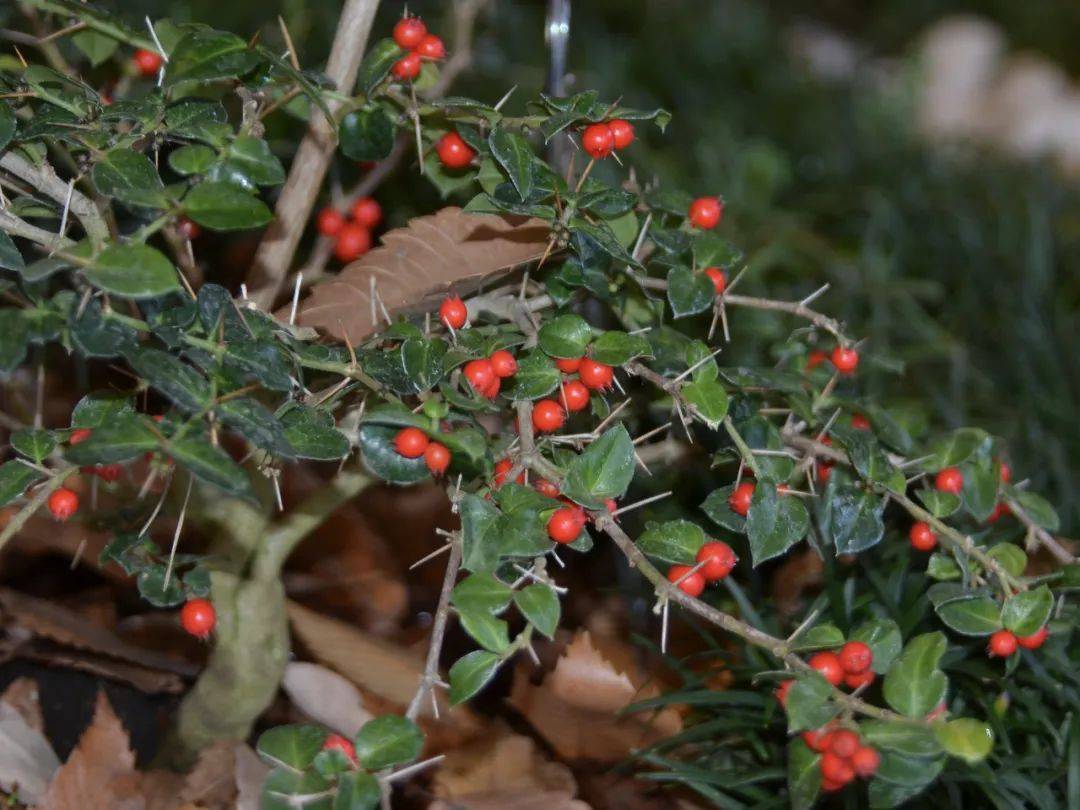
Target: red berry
<point>829,786</point>
<point>565,525</point>
<point>108,472</point>
<point>740,498</point>
<point>63,503</point>
<point>611,505</point>
<point>844,742</point>
<point>502,470</point>
<point>598,376</point>
<point>845,360</point>
<point>782,690</point>
<point>828,664</point>
<point>79,435</point>
<point>329,222</point>
<point>950,480</point>
<point>705,212</point>
<point>493,387</point>
<point>480,374</point>
<point>597,141</point>
<point>437,458</point>
<point>860,422</point>
<point>568,365</point>
<point>1000,511</point>
<point>198,617</point>
<point>824,470</point>
<point>622,131</point>
<point>1006,473</point>
<point>1002,644</point>
<point>865,761</point>
<point>431,47</point>
<point>148,63</point>
<point>411,442</point>
<point>407,67</point>
<point>353,241</point>
<point>854,681</point>
<point>503,363</point>
<point>1035,640</point>
<point>816,740</point>
<point>692,584</point>
<point>719,559</point>
<point>546,488</point>
<point>452,312</point>
<point>922,537</point>
<point>575,396</point>
<point>718,277</point>
<point>367,212</point>
<point>856,657</point>
<point>453,151</point>
<point>189,229</point>
<point>409,32</point>
<point>335,742</point>
<point>937,711</point>
<point>815,359</point>
<point>836,769</point>
<point>548,415</point>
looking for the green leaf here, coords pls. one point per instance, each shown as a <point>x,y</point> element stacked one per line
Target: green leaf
<point>225,207</point>
<point>708,399</point>
<point>712,250</point>
<point>192,159</point>
<point>604,470</point>
<point>366,134</point>
<point>98,48</point>
<point>914,685</point>
<point>10,258</point>
<point>122,437</point>
<point>980,490</point>
<point>617,348</point>
<point>357,790</point>
<point>293,747</point>
<point>819,637</point>
<point>774,523</point>
<point>902,738</point>
<point>539,604</point>
<point>199,119</point>
<point>470,674</point>
<point>565,336</point>
<point>514,155</point>
<point>718,509</point>
<point>205,55</point>
<point>253,157</point>
<point>883,638</point>
<point>966,739</point>
<point>1028,611</point>
<point>312,435</point>
<point>870,460</point>
<point>536,377</point>
<point>129,177</point>
<point>132,271</point>
<point>1038,509</point>
<point>422,361</point>
<point>34,444</point>
<point>387,741</point>
<point>478,517</point>
<point>1012,558</point>
<point>381,457</point>
<point>808,704</point>
<point>803,775</point>
<point>481,592</point>
<point>8,125</point>
<point>980,616</point>
<point>689,293</point>
<point>857,520</point>
<point>938,504</point>
<point>942,567</point>
<point>210,464</point>
<point>376,65</point>
<point>254,421</point>
<point>489,632</point>
<point>955,448</point>
<point>182,384</point>
<point>673,541</point>
<point>15,477</point>
<point>154,589</point>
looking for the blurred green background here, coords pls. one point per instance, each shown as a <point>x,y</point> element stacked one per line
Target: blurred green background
<point>960,266</point>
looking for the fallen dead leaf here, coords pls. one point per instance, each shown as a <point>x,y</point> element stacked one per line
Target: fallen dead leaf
<point>250,774</point>
<point>325,697</point>
<point>502,800</point>
<point>501,762</point>
<point>575,708</point>
<point>417,265</point>
<point>22,695</point>
<point>27,761</point>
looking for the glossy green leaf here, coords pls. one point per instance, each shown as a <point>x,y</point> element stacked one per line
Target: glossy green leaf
<point>1026,612</point>
<point>292,747</point>
<point>903,738</point>
<point>486,630</point>
<point>34,444</point>
<point>604,470</point>
<point>515,156</point>
<point>536,377</point>
<point>774,523</point>
<point>617,348</point>
<point>132,271</point>
<point>366,134</point>
<point>565,336</point>
<point>205,55</point>
<point>357,790</point>
<point>120,438</point>
<point>225,207</point>
<point>689,293</point>
<point>129,177</point>
<point>914,685</point>
<point>192,159</point>
<point>210,464</point>
<point>808,703</point>
<point>381,457</point>
<point>980,616</point>
<point>471,673</point>
<point>387,741</point>
<point>15,477</point>
<point>481,592</point>
<point>539,604</point>
<point>378,60</point>
<point>883,638</point>
<point>803,775</point>
<point>825,636</point>
<point>857,522</point>
<point>966,739</point>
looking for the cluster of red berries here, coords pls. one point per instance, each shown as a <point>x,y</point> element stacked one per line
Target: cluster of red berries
<point>600,140</point>
<point>705,212</point>
<point>412,442</point>
<point>1004,643</point>
<point>740,498</point>
<point>352,236</point>
<point>843,756</point>
<point>147,63</point>
<point>714,561</point>
<point>486,375</point>
<point>844,359</point>
<point>412,35</point>
<point>850,666</point>
<point>592,375</point>
<point>198,617</point>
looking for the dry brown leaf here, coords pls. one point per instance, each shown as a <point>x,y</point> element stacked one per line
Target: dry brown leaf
<point>27,761</point>
<point>250,774</point>
<point>100,773</point>
<point>416,265</point>
<point>502,800</point>
<point>212,783</point>
<point>22,695</point>
<point>576,706</point>
<point>325,697</point>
